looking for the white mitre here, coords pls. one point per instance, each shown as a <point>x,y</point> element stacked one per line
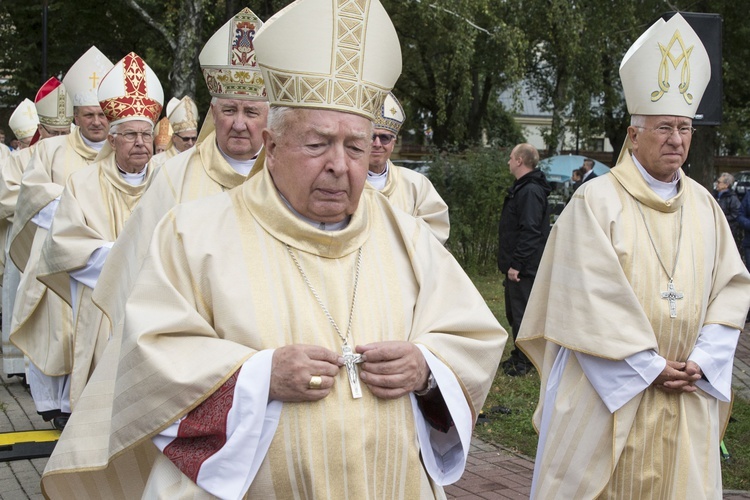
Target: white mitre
<point>182,114</point>
<point>24,120</point>
<point>83,78</point>
<point>666,71</point>
<point>53,104</point>
<point>391,115</point>
<point>341,55</point>
<point>228,60</point>
<point>131,91</point>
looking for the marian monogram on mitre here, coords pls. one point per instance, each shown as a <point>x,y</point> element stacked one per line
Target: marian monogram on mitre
<point>677,54</point>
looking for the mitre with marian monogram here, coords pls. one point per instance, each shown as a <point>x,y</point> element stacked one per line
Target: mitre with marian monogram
<point>228,60</point>
<point>666,71</point>
<point>24,120</point>
<point>131,91</point>
<point>53,104</point>
<point>182,114</point>
<point>342,55</point>
<point>391,115</point>
<point>83,78</point>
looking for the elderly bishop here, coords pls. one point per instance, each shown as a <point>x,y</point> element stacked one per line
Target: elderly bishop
<point>242,319</point>
<point>638,304</point>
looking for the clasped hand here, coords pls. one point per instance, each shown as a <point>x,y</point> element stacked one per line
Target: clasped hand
<point>389,369</point>
<point>679,376</point>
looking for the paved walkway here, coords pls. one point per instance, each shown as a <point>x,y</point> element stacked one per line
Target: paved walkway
<point>492,472</point>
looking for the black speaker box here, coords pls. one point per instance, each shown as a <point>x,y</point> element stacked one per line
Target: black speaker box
<point>709,28</point>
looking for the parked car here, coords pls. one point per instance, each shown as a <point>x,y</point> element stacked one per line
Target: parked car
<point>417,165</point>
<point>741,182</point>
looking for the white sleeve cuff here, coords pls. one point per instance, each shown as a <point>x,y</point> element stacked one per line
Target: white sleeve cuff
<point>714,353</point>
<point>89,274</point>
<point>43,218</point>
<point>617,382</point>
<point>444,454</point>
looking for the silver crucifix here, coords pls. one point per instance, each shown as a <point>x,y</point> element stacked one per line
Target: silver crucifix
<point>672,296</point>
<point>351,359</point>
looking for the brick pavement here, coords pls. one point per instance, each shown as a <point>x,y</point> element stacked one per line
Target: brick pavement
<point>492,472</point>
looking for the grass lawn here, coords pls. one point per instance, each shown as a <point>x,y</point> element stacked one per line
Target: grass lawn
<point>512,400</point>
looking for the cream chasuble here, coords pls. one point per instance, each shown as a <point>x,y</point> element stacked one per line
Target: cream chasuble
<point>599,292</point>
<point>12,171</point>
<point>185,336</point>
<point>196,173</point>
<point>81,227</point>
<point>160,159</point>
<point>413,193</point>
<point>42,324</point>
<point>53,161</point>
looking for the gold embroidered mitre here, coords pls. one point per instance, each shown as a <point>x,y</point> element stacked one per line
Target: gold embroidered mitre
<point>342,55</point>
<point>666,70</point>
<point>83,78</point>
<point>391,115</point>
<point>228,60</point>
<point>163,133</point>
<point>131,91</point>
<point>53,104</point>
<point>24,120</point>
<point>182,114</point>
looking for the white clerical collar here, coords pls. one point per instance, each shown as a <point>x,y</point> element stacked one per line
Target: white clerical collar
<point>242,167</point>
<point>324,226</point>
<point>378,181</point>
<point>96,146</point>
<point>135,179</point>
<point>665,190</point>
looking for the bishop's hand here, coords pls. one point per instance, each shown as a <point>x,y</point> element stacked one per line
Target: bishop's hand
<point>393,369</point>
<point>678,376</point>
<point>295,366</point>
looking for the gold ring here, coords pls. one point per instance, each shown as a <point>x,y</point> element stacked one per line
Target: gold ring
<point>315,382</point>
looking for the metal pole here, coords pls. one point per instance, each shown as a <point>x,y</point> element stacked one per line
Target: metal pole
<point>44,41</point>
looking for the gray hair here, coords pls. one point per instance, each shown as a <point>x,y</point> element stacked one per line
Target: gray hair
<point>638,121</point>
<point>727,178</point>
<point>279,119</point>
<point>115,129</point>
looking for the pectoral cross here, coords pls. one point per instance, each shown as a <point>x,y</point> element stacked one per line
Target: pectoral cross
<point>351,359</point>
<point>672,296</point>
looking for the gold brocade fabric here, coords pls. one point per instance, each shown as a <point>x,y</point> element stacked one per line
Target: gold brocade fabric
<point>413,193</point>
<point>227,288</point>
<point>598,292</point>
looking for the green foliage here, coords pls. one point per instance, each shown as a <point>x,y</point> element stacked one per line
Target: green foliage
<point>736,470</point>
<point>473,184</point>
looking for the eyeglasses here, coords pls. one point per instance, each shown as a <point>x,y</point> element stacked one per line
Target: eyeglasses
<point>131,136</point>
<point>667,131</point>
<point>385,139</point>
<point>187,139</point>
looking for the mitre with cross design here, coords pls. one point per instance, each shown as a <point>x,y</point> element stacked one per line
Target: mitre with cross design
<point>131,91</point>
<point>666,71</point>
<point>341,55</point>
<point>24,120</point>
<point>391,115</point>
<point>83,78</point>
<point>228,59</point>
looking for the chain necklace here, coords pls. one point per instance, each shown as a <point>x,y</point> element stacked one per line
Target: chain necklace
<point>671,295</point>
<point>350,358</point>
